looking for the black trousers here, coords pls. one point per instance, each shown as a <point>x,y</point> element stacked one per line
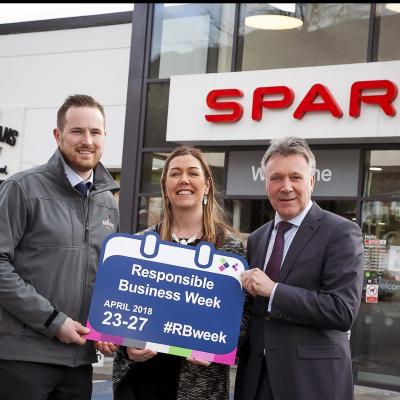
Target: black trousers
<point>20,380</point>
<point>264,391</point>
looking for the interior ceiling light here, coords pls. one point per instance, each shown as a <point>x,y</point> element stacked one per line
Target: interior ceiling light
<point>275,16</point>
<point>393,7</point>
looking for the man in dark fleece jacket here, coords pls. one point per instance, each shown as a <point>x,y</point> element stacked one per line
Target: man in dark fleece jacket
<point>52,220</point>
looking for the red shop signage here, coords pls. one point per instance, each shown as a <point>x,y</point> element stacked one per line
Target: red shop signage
<point>360,92</point>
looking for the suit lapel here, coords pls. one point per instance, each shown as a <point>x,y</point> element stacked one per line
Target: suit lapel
<point>307,229</point>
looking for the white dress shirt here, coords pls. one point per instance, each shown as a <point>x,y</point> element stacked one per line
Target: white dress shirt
<point>289,236</point>
<point>74,178</point>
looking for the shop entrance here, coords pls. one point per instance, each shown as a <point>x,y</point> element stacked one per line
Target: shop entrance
<point>376,333</point>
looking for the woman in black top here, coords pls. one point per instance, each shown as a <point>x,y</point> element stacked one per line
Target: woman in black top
<point>191,215</point>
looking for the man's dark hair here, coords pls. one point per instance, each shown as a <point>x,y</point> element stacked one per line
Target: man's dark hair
<point>77,100</point>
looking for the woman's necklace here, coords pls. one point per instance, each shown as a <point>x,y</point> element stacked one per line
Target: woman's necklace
<point>184,241</point>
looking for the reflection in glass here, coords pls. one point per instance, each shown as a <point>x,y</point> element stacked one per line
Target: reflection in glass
<point>150,212</point>
<point>376,332</point>
<point>275,16</point>
<point>382,219</point>
<point>191,38</point>
<point>250,214</point>
<point>155,128</point>
<point>389,33</point>
<point>382,168</point>
<point>345,208</point>
<point>152,166</point>
<point>335,33</point>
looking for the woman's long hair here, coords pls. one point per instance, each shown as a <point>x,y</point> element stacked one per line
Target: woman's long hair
<point>214,226</point>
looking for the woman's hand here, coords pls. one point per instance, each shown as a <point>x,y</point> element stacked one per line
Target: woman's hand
<point>107,348</point>
<point>140,355</point>
<point>198,362</point>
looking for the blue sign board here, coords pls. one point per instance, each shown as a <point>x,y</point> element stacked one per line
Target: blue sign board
<point>168,297</point>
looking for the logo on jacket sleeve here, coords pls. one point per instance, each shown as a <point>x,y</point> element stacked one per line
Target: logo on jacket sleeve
<point>107,222</point>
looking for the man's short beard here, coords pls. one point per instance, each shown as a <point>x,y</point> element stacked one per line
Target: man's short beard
<point>78,167</point>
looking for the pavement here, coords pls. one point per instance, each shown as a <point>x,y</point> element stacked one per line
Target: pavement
<point>102,386</point>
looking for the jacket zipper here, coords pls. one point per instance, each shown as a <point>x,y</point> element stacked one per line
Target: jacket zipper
<point>85,215</point>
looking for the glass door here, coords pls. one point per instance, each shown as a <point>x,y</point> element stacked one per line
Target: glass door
<point>376,333</point>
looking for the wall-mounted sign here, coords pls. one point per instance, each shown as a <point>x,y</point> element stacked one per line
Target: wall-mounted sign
<point>331,102</point>
<point>232,111</point>
<point>8,135</point>
<point>336,174</point>
<point>11,123</point>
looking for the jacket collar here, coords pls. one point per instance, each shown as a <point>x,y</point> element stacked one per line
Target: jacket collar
<point>102,179</point>
<point>307,229</point>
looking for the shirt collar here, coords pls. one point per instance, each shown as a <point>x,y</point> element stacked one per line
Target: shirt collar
<point>74,178</point>
<point>298,219</point>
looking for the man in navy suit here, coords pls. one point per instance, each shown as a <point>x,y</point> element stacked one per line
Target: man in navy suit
<point>297,346</point>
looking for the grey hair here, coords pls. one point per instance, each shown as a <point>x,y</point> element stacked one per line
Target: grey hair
<point>287,146</point>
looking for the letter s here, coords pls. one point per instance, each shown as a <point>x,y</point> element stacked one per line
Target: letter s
<point>214,104</point>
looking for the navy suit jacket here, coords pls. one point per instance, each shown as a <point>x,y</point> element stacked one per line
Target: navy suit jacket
<point>307,351</point>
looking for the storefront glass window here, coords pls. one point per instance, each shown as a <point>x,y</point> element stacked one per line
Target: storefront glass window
<point>382,173</point>
<point>334,33</point>
<point>389,32</point>
<point>248,215</point>
<point>191,39</point>
<point>375,335</point>
<point>153,164</point>
<point>345,208</point>
<point>150,212</point>
<point>156,115</point>
<point>117,176</point>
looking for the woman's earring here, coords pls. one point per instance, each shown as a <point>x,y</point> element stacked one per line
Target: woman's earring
<point>166,200</point>
<point>205,199</point>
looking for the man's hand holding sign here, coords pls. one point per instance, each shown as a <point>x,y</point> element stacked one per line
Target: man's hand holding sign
<point>159,296</point>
